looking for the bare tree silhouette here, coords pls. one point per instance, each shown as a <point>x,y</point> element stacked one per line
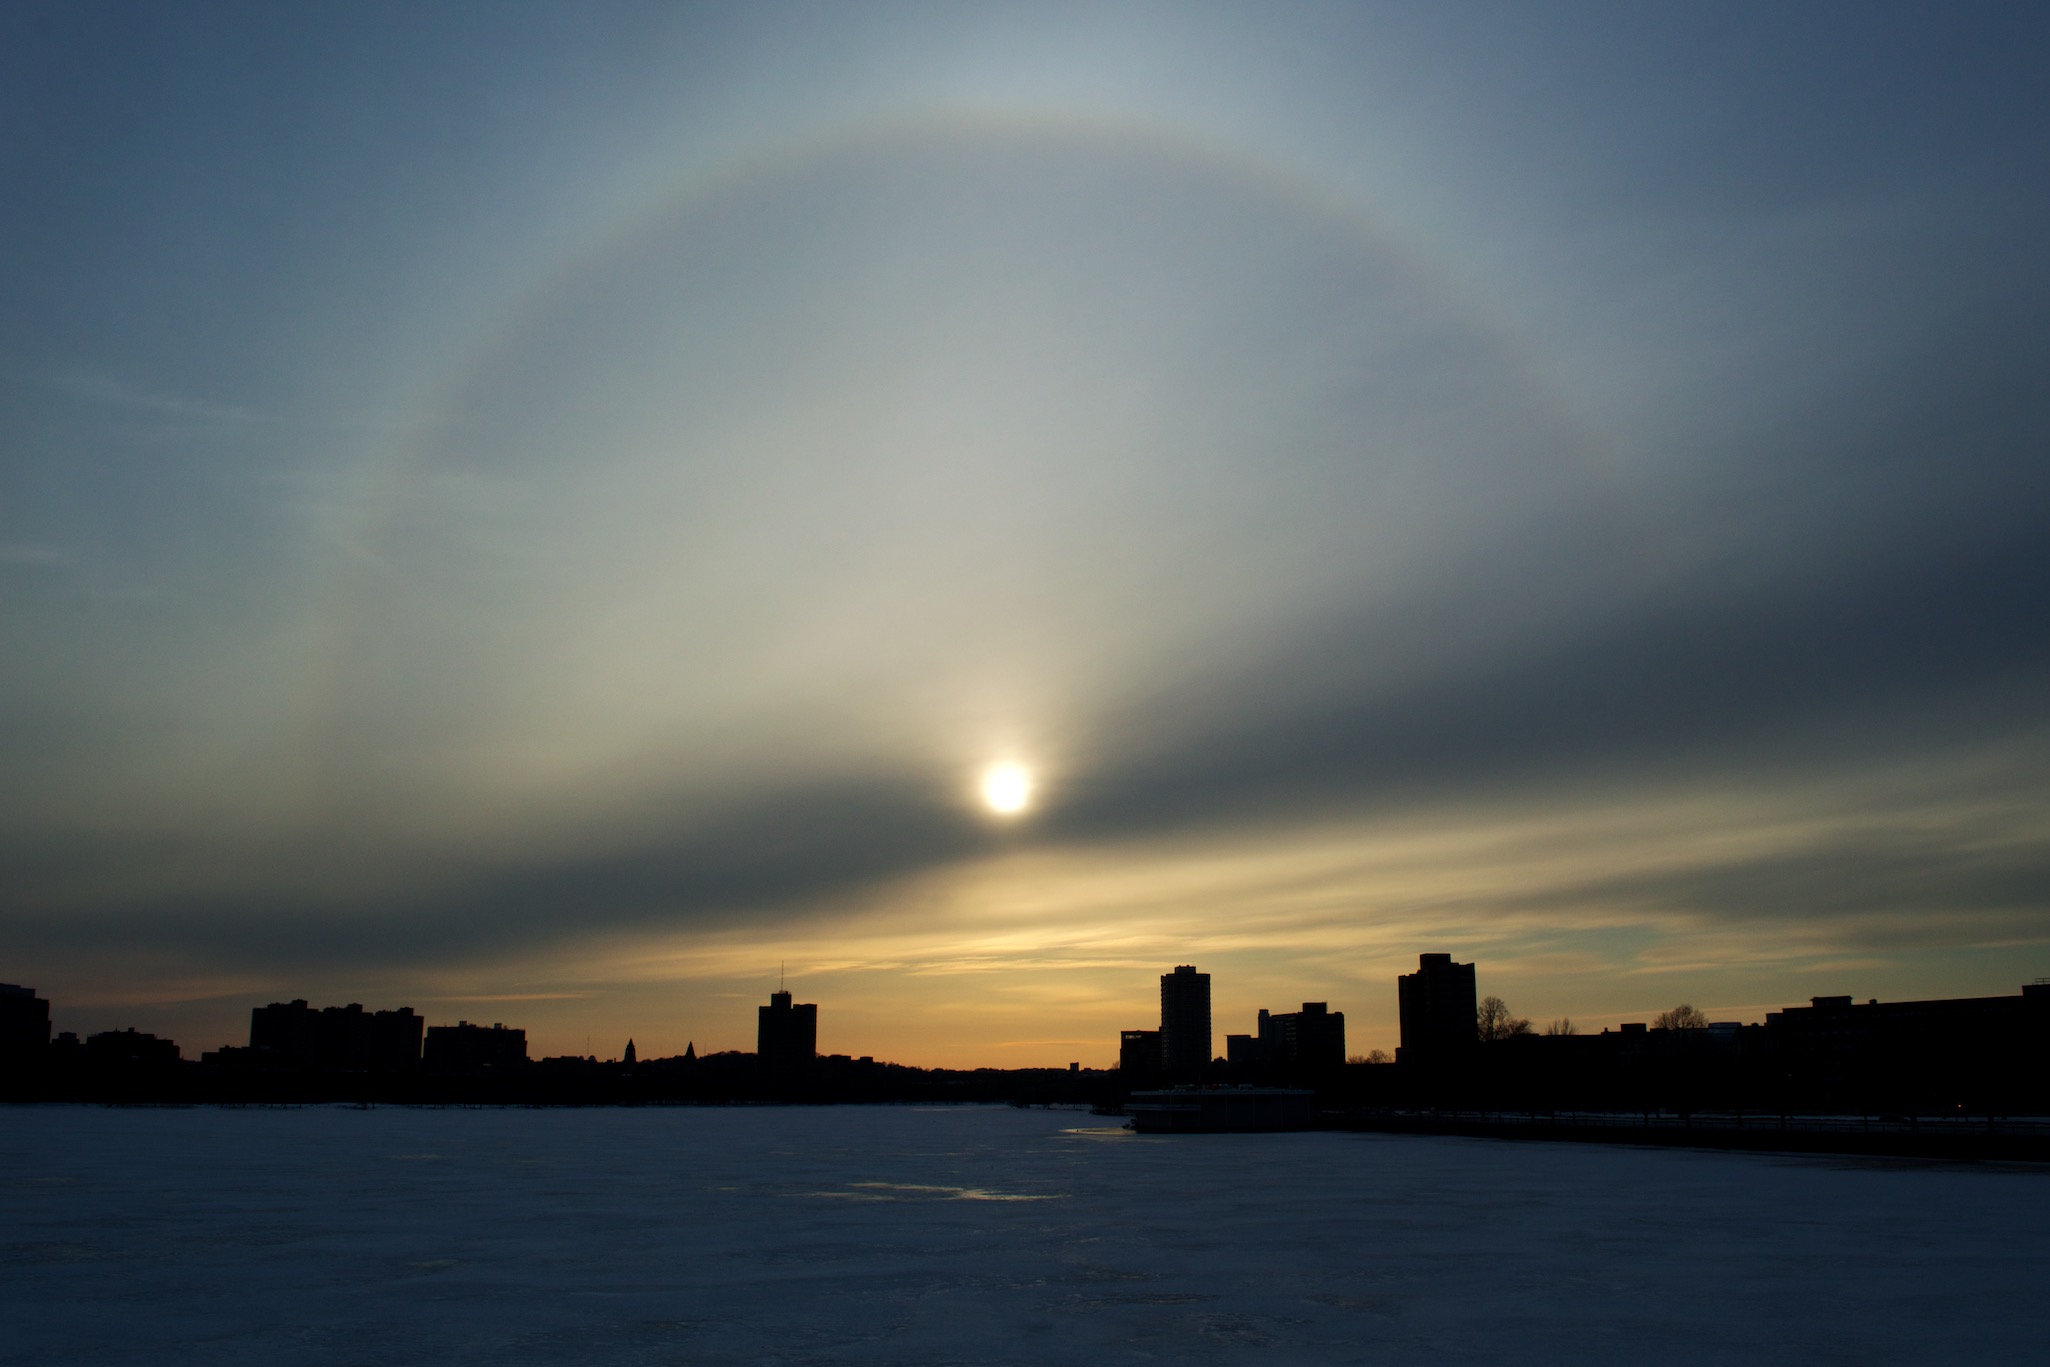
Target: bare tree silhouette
<point>1493,1021</point>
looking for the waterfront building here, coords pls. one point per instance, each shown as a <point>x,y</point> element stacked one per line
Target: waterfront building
<point>1917,1055</point>
<point>1244,1056</point>
<point>24,1025</point>
<point>1139,1057</point>
<point>335,1038</point>
<point>129,1050</point>
<point>1438,1005</point>
<point>1185,1023</point>
<point>786,1035</point>
<point>467,1048</point>
<point>1305,1042</point>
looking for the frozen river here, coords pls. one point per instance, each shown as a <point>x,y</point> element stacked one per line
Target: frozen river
<point>900,1235</point>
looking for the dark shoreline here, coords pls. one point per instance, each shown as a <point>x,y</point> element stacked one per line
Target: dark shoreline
<point>2000,1139</point>
<point>1949,1139</point>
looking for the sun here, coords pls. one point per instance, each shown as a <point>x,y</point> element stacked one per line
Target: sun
<point>1007,788</point>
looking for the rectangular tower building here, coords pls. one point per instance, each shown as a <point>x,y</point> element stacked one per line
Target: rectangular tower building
<point>1438,1007</point>
<point>1185,1024</point>
<point>786,1035</point>
<point>24,1024</point>
<point>1139,1057</point>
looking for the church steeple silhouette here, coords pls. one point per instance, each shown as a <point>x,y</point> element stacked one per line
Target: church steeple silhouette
<point>628,1057</point>
<point>690,1052</point>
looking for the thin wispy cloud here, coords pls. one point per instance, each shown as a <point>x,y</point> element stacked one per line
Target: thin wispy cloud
<point>93,388</point>
<point>32,556</point>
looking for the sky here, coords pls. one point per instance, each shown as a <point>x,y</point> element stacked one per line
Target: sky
<point>545,513</point>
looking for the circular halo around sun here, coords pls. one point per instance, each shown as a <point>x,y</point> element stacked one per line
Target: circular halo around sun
<point>1006,788</point>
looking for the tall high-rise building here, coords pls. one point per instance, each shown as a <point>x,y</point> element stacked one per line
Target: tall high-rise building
<point>1184,1023</point>
<point>1437,1004</point>
<point>24,1025</point>
<point>786,1035</point>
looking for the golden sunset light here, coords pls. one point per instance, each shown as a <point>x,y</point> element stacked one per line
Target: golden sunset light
<point>1007,788</point>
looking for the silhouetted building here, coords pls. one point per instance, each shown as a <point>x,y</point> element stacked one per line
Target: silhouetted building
<point>1828,1020</point>
<point>1244,1056</point>
<point>66,1050</point>
<point>1139,1057</point>
<point>467,1048</point>
<point>335,1038</point>
<point>1438,1007</point>
<point>786,1035</point>
<point>1917,1055</point>
<point>1184,1023</point>
<point>129,1050</point>
<point>1303,1043</point>
<point>24,1026</point>
<point>629,1056</point>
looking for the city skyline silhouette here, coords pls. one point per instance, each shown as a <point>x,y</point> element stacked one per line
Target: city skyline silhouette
<point>1958,1078</point>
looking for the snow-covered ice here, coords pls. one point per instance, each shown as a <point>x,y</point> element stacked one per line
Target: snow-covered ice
<point>902,1235</point>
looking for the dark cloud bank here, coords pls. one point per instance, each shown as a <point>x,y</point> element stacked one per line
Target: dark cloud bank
<point>1774,681</point>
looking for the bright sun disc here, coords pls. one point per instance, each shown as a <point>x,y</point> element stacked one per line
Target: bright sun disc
<point>1006,788</point>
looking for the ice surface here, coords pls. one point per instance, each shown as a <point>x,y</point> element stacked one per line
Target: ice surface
<point>901,1235</point>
